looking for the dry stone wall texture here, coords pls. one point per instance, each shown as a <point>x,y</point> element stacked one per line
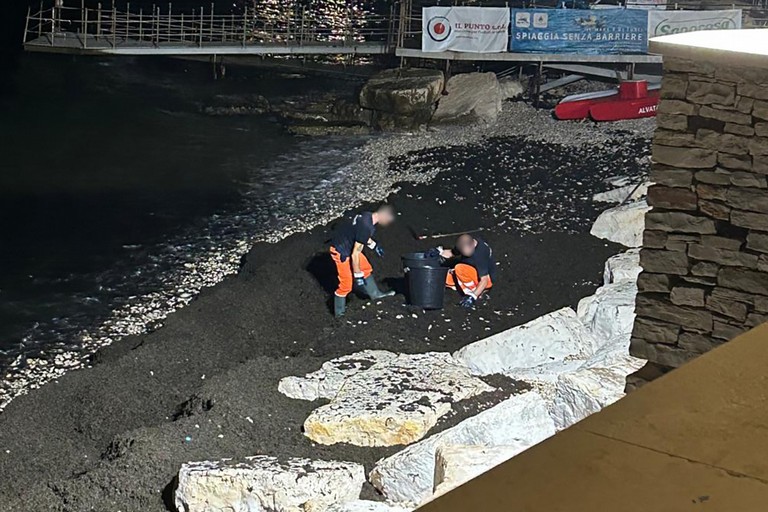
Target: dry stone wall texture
<point>705,245</point>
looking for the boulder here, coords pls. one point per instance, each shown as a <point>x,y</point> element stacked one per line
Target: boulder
<point>362,506</point>
<point>266,484</point>
<point>402,91</point>
<point>393,402</point>
<point>510,88</point>
<point>632,192</point>
<point>557,336</point>
<point>622,224</point>
<point>610,312</point>
<point>470,97</point>
<point>457,464</point>
<point>518,423</point>
<point>622,267</point>
<point>597,384</point>
<point>326,382</point>
<point>545,373</point>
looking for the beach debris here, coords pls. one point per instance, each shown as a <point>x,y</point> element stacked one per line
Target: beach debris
<point>622,224</point>
<point>266,484</point>
<point>457,464</point>
<point>326,382</point>
<point>624,266</point>
<point>557,336</point>
<point>394,402</point>
<point>407,477</point>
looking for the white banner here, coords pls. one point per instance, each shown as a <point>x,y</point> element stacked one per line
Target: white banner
<point>664,23</point>
<point>645,4</point>
<point>465,29</point>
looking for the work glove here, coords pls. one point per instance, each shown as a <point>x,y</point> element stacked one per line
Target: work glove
<point>432,253</point>
<point>377,248</point>
<point>359,281</point>
<point>468,301</point>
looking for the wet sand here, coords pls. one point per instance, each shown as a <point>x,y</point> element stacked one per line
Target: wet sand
<point>112,437</point>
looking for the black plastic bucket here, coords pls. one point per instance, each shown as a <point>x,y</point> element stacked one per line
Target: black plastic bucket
<point>419,260</point>
<point>426,286</point>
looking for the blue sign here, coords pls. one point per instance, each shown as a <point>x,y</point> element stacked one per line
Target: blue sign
<point>584,31</point>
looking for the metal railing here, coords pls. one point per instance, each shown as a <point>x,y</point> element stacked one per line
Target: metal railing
<point>162,26</point>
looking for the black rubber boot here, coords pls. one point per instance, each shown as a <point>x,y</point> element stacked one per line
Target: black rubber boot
<point>339,306</point>
<point>372,289</point>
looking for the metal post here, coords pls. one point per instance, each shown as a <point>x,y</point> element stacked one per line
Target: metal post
<point>82,17</point>
<point>170,30</point>
<point>85,24</point>
<point>114,24</point>
<point>245,24</point>
<point>200,40</point>
<point>301,29</point>
<point>182,28</point>
<point>40,21</point>
<point>98,21</point>
<point>26,24</point>
<point>127,20</point>
<point>157,26</point>
<point>141,24</point>
<point>211,21</point>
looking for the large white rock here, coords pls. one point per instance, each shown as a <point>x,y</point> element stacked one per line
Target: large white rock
<point>266,484</point>
<point>457,464</point>
<point>622,224</point>
<point>545,373</point>
<point>597,384</point>
<point>326,382</point>
<point>363,506</point>
<point>470,97</point>
<point>394,402</point>
<point>554,337</point>
<point>519,422</point>
<point>510,88</point>
<point>617,195</point>
<point>610,312</point>
<point>624,266</point>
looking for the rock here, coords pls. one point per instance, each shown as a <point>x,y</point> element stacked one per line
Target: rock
<point>597,384</point>
<point>403,91</point>
<point>622,224</point>
<point>513,89</point>
<point>362,506</point>
<point>457,464</point>
<point>521,421</point>
<point>664,261</point>
<point>393,402</point>
<point>622,267</point>
<point>680,222</point>
<point>627,192</point>
<point>326,382</point>
<point>472,97</point>
<point>545,373</point>
<point>673,198</point>
<point>265,484</point>
<point>610,312</point>
<point>687,158</point>
<point>557,336</point>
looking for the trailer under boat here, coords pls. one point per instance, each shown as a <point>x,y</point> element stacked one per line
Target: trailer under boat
<point>634,99</point>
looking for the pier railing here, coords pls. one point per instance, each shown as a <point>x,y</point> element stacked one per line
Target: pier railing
<point>201,27</point>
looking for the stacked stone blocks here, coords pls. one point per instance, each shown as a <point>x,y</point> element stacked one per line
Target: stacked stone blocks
<point>705,245</point>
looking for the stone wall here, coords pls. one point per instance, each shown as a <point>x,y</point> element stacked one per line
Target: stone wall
<point>705,245</point>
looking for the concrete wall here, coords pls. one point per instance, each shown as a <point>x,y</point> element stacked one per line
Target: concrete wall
<point>705,246</point>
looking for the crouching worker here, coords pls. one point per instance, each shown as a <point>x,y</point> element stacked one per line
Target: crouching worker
<point>473,274</point>
<point>352,267</point>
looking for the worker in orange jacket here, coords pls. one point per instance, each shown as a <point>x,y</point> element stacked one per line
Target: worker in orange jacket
<point>474,272</point>
<point>352,267</point>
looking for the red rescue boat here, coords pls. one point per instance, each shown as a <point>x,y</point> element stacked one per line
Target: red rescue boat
<point>632,100</point>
